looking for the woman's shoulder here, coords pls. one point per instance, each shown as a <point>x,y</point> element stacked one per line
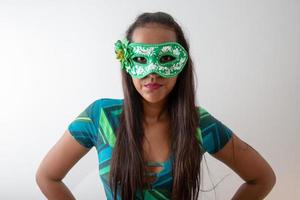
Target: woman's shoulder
<point>107,102</point>
<point>110,107</point>
<point>211,131</point>
<point>203,113</point>
<point>201,110</point>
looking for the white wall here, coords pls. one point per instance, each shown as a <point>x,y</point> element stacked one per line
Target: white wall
<point>56,57</point>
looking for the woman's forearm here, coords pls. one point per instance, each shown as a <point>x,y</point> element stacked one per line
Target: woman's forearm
<point>55,190</point>
<point>252,191</point>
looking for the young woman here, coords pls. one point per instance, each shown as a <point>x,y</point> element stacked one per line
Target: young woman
<point>150,144</point>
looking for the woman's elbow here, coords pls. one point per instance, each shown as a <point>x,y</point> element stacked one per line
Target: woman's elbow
<point>272,179</point>
<point>268,180</point>
<point>40,178</point>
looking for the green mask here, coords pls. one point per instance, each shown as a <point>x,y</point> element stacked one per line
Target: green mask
<point>139,59</point>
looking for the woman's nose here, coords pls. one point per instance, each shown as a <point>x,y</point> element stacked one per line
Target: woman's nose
<point>153,75</point>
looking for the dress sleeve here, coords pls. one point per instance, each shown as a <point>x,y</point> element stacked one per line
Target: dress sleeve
<point>213,134</point>
<point>83,128</point>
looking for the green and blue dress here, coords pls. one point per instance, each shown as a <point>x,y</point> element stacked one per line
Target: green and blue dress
<point>97,124</point>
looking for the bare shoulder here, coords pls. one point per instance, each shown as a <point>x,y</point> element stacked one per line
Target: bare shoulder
<point>61,157</point>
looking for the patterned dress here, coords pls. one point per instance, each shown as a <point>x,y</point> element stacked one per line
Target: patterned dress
<point>96,127</point>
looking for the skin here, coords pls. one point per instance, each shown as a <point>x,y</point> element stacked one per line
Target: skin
<point>257,174</point>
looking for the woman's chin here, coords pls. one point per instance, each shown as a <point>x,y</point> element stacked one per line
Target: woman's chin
<point>153,99</point>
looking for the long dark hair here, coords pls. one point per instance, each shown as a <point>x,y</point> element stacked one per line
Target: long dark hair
<point>127,163</point>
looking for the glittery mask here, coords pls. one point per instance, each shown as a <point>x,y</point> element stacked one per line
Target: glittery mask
<point>139,59</point>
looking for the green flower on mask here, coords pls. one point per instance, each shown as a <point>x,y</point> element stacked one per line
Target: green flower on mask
<point>123,52</point>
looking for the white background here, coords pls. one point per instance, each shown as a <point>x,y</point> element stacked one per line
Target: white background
<point>57,57</point>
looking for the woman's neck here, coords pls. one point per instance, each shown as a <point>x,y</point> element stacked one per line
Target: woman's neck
<point>154,112</point>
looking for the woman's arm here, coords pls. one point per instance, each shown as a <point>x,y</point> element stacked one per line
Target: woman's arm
<point>250,166</point>
<point>56,164</point>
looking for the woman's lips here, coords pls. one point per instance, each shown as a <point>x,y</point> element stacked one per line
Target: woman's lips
<point>153,86</point>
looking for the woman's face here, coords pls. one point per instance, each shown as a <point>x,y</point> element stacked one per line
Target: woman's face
<point>154,88</point>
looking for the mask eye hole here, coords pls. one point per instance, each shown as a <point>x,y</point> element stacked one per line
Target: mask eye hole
<point>166,58</point>
<point>141,60</point>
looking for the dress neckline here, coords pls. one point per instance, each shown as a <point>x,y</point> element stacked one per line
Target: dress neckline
<point>158,164</point>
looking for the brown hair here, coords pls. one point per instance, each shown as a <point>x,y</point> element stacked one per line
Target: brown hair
<point>127,164</point>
